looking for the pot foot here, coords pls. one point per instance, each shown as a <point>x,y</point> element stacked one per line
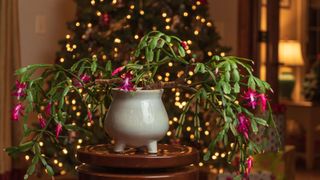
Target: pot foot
<point>152,147</point>
<point>119,147</point>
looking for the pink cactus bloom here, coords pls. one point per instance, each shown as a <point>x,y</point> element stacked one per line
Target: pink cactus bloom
<point>243,125</point>
<point>117,71</point>
<point>251,96</point>
<point>85,78</point>
<point>48,109</point>
<point>127,85</point>
<point>263,100</point>
<point>20,89</point>
<point>17,111</point>
<point>249,164</point>
<point>89,116</point>
<point>42,121</point>
<point>58,130</point>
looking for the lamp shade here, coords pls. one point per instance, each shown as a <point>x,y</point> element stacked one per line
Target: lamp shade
<point>290,53</point>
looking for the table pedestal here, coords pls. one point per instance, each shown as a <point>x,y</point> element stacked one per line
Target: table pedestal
<point>172,162</point>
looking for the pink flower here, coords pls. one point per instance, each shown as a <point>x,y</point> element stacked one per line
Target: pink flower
<point>58,130</point>
<point>249,164</point>
<point>263,101</point>
<point>127,85</point>
<point>117,70</point>
<point>89,115</point>
<point>48,109</point>
<point>184,45</point>
<point>251,97</point>
<point>17,111</point>
<point>42,121</point>
<point>20,88</point>
<point>243,125</point>
<point>85,78</point>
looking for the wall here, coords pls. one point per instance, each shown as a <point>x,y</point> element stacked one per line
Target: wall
<point>42,25</point>
<point>225,17</point>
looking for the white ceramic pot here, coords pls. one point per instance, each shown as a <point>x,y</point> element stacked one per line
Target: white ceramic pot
<point>137,118</point>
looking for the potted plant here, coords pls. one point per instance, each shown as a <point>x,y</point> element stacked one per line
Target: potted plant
<point>224,85</point>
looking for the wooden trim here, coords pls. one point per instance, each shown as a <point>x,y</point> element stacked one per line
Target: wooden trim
<point>273,11</point>
<point>248,31</point>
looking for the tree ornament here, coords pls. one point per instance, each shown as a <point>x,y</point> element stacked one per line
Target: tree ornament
<point>105,19</point>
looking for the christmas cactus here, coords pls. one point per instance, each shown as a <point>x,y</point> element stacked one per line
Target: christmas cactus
<point>224,86</point>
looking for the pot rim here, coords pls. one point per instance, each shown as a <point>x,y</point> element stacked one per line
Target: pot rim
<point>138,90</point>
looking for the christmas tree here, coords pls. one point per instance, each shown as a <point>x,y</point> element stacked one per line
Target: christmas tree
<point>108,31</point>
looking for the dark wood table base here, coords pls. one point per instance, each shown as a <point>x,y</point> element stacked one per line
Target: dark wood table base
<point>89,173</point>
<point>172,162</point>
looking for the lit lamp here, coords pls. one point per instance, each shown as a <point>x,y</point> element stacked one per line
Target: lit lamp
<point>290,56</point>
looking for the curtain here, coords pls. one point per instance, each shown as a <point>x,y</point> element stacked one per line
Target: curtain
<point>9,61</point>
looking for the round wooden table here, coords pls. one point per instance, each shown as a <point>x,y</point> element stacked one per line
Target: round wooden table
<point>172,162</point>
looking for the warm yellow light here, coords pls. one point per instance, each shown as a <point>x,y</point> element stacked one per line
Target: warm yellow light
<point>60,164</point>
<point>114,1</point>
<point>168,20</point>
<point>189,42</point>
<point>104,57</point>
<point>154,28</point>
<point>78,114</point>
<point>169,133</point>
<point>194,7</point>
<point>188,51</point>
<point>200,164</point>
<point>198,17</point>
<point>141,12</point>
<point>222,54</point>
<point>89,124</point>
<point>290,53</point>
<point>68,36</point>
<point>188,128</point>
<point>170,122</point>
<point>74,46</point>
<point>78,146</point>
<point>192,137</point>
<point>63,172</point>
<point>79,141</point>
<point>61,60</point>
<point>175,119</point>
<point>214,157</point>
<point>136,36</point>
<point>27,157</point>
<point>93,2</point>
<point>189,82</point>
<point>223,155</point>
<point>132,6</point>
<point>198,3</point>
<point>170,64</point>
<point>209,53</point>
<point>164,14</point>
<point>167,27</point>
<point>117,40</point>
<point>98,13</point>
<point>159,77</point>
<point>177,93</point>
<point>196,32</point>
<point>77,24</point>
<point>203,20</point>
<point>128,16</point>
<point>209,24</point>
<point>207,123</point>
<point>73,101</point>
<point>220,103</point>
<point>177,98</point>
<point>41,143</point>
<point>55,161</point>
<point>167,74</point>
<point>185,14</point>
<point>115,49</point>
<point>166,79</point>
<point>206,133</point>
<point>236,102</point>
<point>65,151</point>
